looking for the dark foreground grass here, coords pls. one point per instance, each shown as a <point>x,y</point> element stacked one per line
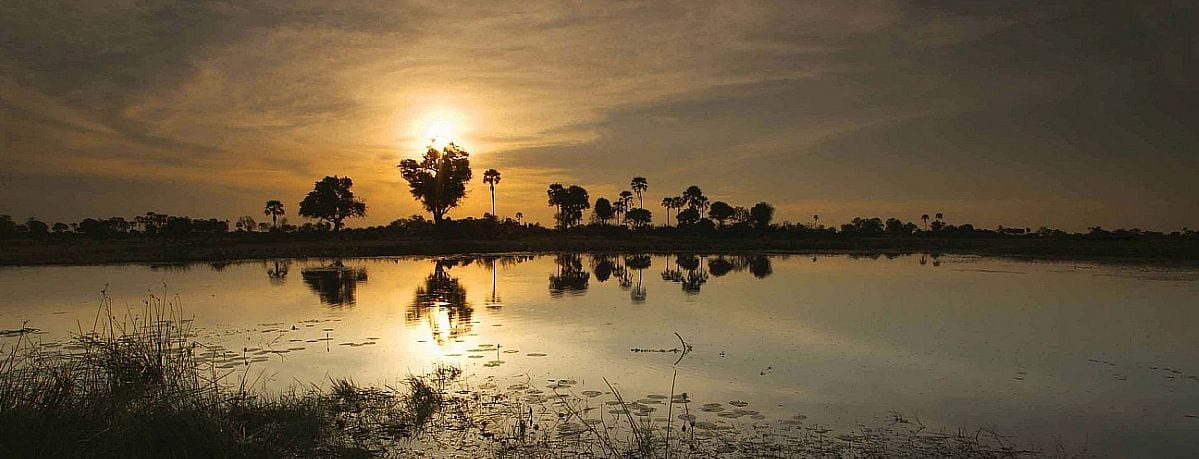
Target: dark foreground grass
<point>137,388</point>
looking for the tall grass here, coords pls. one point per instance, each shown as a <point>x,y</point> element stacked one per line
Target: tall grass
<point>137,385</point>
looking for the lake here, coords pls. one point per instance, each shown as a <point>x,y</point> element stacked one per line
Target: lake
<point>1101,358</point>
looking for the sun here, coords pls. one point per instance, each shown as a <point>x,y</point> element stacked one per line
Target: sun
<point>439,126</point>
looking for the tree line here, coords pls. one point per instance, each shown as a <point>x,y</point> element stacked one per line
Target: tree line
<point>438,182</point>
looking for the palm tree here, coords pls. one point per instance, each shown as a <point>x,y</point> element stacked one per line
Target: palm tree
<point>668,203</point>
<point>940,216</point>
<point>519,216</point>
<point>625,200</point>
<point>491,177</point>
<point>679,202</point>
<point>274,208</point>
<point>815,220</point>
<point>640,184</point>
<point>925,219</point>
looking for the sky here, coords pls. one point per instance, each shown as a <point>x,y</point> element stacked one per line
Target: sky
<point>1022,114</point>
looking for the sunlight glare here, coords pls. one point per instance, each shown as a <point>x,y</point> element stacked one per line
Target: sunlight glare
<point>439,127</point>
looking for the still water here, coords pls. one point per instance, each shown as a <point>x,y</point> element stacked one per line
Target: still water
<point>1090,357</point>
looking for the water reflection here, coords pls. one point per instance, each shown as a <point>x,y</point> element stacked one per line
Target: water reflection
<point>441,303</point>
<point>334,284</point>
<point>276,271</point>
<point>570,278</point>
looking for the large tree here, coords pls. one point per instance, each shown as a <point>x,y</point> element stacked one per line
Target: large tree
<point>274,208</point>
<point>570,202</point>
<point>761,214</point>
<point>332,200</point>
<point>603,211</point>
<point>491,177</point>
<point>439,179</point>
<point>721,211</point>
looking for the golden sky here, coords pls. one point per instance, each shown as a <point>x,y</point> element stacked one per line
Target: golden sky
<point>996,113</point>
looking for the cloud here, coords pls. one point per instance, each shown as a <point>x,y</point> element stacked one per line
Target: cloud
<point>816,102</point>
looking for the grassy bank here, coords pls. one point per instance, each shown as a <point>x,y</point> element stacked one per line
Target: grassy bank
<point>260,246</point>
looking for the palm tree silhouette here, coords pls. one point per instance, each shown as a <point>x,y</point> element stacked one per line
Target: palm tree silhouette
<point>519,216</point>
<point>491,177</point>
<point>668,203</point>
<point>815,220</point>
<point>274,208</point>
<point>625,200</point>
<point>925,219</point>
<point>940,216</point>
<point>639,185</point>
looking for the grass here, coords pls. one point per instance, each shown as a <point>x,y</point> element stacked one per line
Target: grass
<point>138,387</point>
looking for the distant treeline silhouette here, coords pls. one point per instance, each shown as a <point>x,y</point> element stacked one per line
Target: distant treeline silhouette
<point>438,181</point>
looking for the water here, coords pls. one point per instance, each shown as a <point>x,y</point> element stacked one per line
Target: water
<point>1102,358</point>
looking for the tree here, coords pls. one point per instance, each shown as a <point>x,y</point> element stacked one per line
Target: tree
<point>668,203</point>
<point>925,219</point>
<point>491,177</point>
<point>640,184</point>
<point>624,202</point>
<point>519,216</point>
<point>36,227</point>
<point>761,214</point>
<point>721,211</point>
<point>815,220</point>
<point>603,211</point>
<point>331,200</point>
<point>246,223</point>
<point>695,199</point>
<point>439,179</point>
<point>274,208</point>
<point>688,217</point>
<point>570,202</point>
<point>60,228</point>
<point>639,218</point>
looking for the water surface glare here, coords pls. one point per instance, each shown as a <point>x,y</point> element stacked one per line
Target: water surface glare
<point>1099,357</point>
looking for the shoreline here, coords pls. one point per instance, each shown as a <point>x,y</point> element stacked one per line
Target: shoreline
<point>79,251</point>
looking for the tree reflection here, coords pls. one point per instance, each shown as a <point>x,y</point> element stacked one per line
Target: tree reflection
<point>638,263</point>
<point>570,277</point>
<point>760,267</point>
<point>276,271</point>
<point>688,271</point>
<point>441,302</point>
<point>334,284</point>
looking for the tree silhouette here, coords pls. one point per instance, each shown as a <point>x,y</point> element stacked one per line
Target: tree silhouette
<point>246,223</point>
<point>695,199</point>
<point>925,219</point>
<point>274,208</point>
<point>570,202</point>
<point>759,266</point>
<point>688,217</point>
<point>668,204</point>
<point>639,218</point>
<point>603,211</point>
<point>439,179</point>
<point>761,214</point>
<point>519,216</point>
<point>332,200</point>
<point>491,177</point>
<point>639,185</point>
<point>815,220</point>
<point>721,211</point>
<point>623,203</point>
